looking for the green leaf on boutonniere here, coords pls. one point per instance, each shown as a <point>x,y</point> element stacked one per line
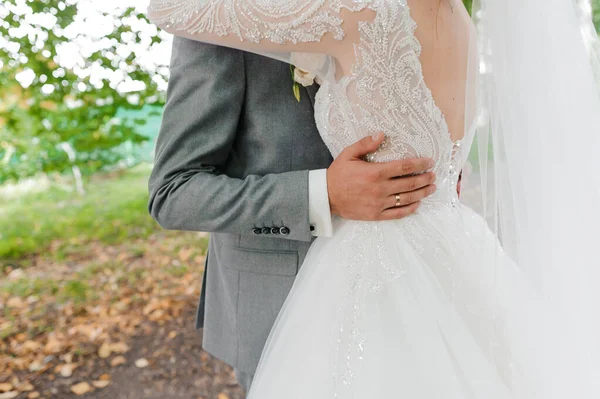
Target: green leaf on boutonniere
<point>296,86</point>
<point>297,91</point>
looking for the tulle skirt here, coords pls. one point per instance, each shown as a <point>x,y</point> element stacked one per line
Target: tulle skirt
<point>425,307</point>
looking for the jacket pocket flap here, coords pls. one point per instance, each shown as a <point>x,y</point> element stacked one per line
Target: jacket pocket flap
<point>281,263</point>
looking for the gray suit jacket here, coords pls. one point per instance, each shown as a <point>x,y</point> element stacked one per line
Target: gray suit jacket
<point>232,158</point>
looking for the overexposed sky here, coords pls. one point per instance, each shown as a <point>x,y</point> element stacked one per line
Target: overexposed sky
<point>87,35</point>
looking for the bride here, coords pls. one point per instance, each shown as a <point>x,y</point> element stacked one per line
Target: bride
<point>434,306</point>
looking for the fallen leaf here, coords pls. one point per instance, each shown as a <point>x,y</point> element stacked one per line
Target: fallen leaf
<point>20,362</point>
<point>67,370</point>
<point>108,349</point>
<point>172,334</point>
<point>33,395</point>
<point>157,315</point>
<point>151,307</point>
<point>68,358</point>
<point>5,387</point>
<point>223,396</point>
<point>119,347</point>
<point>53,346</point>
<point>31,346</point>
<point>81,388</point>
<point>15,302</point>
<point>141,363</point>
<point>25,387</point>
<point>105,351</point>
<point>35,366</point>
<point>9,395</point>
<point>117,361</point>
<point>104,377</point>
<point>100,384</point>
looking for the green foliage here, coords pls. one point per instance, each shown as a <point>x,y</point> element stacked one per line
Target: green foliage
<point>24,287</point>
<point>596,8</point>
<point>75,290</point>
<point>468,5</point>
<point>48,108</point>
<point>61,223</point>
<point>178,271</point>
<point>70,290</point>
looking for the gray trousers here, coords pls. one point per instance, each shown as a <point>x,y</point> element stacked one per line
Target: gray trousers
<point>244,380</point>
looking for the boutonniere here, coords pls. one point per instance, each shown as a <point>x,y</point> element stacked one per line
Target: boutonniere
<point>313,62</point>
<point>301,77</point>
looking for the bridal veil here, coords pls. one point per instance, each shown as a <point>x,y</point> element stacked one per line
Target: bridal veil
<point>539,164</point>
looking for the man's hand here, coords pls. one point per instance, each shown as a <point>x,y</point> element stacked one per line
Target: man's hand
<point>359,190</point>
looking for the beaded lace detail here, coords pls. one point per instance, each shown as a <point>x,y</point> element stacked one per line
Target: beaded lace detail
<point>386,92</point>
<point>279,21</point>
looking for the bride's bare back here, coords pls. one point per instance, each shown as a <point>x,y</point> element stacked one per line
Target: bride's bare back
<point>444,31</point>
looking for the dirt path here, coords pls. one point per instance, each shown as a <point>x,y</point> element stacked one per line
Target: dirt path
<point>179,368</point>
<point>110,322</point>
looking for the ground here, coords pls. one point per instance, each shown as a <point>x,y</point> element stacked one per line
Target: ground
<point>97,301</point>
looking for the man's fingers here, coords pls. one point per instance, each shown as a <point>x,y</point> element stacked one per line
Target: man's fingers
<point>399,213</point>
<point>409,184</point>
<point>407,167</point>
<point>409,198</point>
<point>364,146</point>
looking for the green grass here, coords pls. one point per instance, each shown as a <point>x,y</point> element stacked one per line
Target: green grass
<point>178,271</point>
<point>71,290</point>
<point>113,210</point>
<point>27,287</point>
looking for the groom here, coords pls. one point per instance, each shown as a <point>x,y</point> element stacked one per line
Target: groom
<point>239,156</point>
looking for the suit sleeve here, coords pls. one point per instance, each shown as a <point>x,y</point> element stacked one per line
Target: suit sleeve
<point>188,189</point>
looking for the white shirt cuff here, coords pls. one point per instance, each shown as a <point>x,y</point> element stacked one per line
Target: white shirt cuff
<point>318,204</point>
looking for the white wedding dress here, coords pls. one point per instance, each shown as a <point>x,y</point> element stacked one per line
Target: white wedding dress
<point>425,307</point>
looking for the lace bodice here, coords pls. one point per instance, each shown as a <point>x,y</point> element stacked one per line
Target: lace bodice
<point>384,92</point>
<point>387,92</point>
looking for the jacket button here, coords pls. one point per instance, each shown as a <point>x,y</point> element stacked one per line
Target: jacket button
<point>266,230</point>
<point>276,231</point>
<point>257,231</point>
<point>285,231</point>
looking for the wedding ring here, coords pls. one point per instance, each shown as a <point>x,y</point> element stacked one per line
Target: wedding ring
<point>398,202</point>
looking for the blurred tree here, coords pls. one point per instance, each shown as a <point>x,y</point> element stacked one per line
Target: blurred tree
<point>468,4</point>
<point>596,10</point>
<point>61,87</point>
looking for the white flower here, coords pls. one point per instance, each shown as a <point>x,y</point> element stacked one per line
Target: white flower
<point>305,62</point>
<point>304,78</point>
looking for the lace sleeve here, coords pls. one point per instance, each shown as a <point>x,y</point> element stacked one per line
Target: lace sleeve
<point>276,28</point>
